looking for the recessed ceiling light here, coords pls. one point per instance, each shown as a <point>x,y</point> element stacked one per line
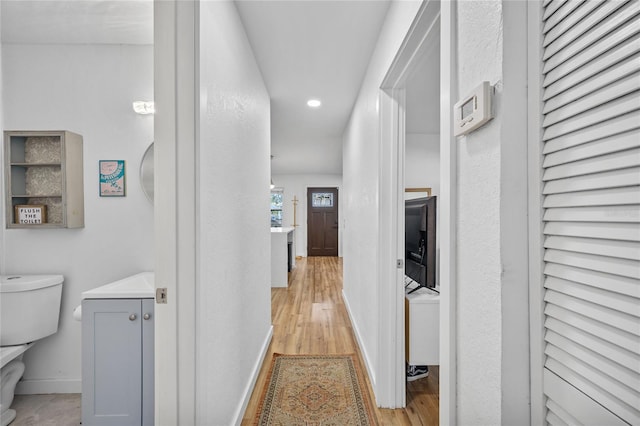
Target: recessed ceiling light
<point>314,103</point>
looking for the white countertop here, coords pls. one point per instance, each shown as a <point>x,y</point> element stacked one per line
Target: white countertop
<point>283,230</point>
<point>139,286</point>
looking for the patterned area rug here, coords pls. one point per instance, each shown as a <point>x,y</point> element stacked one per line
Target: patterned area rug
<point>314,390</point>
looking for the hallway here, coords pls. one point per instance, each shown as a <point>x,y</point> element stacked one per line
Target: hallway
<point>309,317</point>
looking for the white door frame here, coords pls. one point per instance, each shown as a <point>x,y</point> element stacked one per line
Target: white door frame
<point>433,18</point>
<point>175,135</point>
<point>536,237</point>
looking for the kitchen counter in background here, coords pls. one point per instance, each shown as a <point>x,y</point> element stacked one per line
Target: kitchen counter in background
<point>283,255</point>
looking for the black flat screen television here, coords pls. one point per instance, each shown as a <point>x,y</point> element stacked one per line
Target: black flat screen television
<point>420,241</point>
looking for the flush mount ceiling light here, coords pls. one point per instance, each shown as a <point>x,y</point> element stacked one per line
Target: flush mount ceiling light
<point>314,103</point>
<point>144,107</point>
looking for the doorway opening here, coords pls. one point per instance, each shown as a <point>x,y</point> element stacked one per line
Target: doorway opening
<point>416,151</point>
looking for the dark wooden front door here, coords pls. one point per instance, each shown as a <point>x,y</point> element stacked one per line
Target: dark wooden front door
<point>322,221</point>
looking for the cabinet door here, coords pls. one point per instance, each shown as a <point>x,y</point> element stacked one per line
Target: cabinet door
<point>147,362</point>
<point>111,362</point>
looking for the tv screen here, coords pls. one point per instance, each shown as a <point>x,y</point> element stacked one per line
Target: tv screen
<point>420,241</point>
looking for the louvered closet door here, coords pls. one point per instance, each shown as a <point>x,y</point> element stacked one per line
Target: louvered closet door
<point>591,216</point>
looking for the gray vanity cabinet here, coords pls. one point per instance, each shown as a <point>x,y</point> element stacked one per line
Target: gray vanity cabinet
<point>117,362</point>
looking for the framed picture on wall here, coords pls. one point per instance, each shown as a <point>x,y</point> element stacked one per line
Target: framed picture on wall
<point>413,193</point>
<point>112,178</point>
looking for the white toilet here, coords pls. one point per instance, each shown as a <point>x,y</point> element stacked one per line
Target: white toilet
<point>29,309</point>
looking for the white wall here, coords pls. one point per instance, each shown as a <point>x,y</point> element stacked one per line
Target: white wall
<point>492,231</point>
<point>360,180</point>
<point>422,162</point>
<point>233,305</point>
<point>478,272</point>
<point>87,90</point>
<point>296,185</point>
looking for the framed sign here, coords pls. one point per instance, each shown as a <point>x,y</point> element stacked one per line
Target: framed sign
<point>112,178</point>
<point>30,214</point>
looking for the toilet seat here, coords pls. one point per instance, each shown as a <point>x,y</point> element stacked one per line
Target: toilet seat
<point>9,353</point>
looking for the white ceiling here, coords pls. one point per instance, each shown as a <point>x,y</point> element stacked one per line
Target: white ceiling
<point>77,21</point>
<point>311,49</point>
<point>305,49</point>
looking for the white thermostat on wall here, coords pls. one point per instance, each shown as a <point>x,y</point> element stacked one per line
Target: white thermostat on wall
<point>473,110</point>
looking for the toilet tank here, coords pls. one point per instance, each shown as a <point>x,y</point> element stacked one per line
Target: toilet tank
<point>29,307</point>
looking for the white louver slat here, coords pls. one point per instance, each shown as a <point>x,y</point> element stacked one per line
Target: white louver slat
<point>563,14</point>
<point>591,211</point>
<point>627,122</point>
<point>558,415</point>
<point>615,143</point>
<point>617,231</point>
<point>563,93</point>
<point>602,21</point>
<point>552,6</point>
<point>622,249</point>
<point>613,283</point>
<point>618,160</point>
<point>561,68</point>
<point>583,102</point>
<point>604,112</point>
<point>575,402</point>
<point>624,340</point>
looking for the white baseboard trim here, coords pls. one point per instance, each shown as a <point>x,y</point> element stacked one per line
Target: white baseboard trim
<point>363,350</point>
<point>254,378</point>
<point>36,387</point>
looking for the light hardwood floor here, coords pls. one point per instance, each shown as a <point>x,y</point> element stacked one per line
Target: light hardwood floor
<point>309,317</point>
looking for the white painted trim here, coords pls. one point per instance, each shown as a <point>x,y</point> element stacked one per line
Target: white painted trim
<point>255,372</point>
<point>3,224</point>
<point>397,291</point>
<point>448,214</point>
<point>166,357</point>
<point>391,388</point>
<point>514,292</point>
<point>175,77</point>
<point>37,387</point>
<point>363,351</point>
<point>536,250</point>
<point>187,187</point>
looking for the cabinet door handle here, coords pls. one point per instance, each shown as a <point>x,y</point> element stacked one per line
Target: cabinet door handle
<point>146,316</point>
<point>132,317</point>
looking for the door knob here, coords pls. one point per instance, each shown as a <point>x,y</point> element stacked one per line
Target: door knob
<point>146,316</point>
<point>132,317</point>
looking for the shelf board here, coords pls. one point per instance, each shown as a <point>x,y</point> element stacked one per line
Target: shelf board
<point>37,196</point>
<point>38,225</point>
<point>37,164</point>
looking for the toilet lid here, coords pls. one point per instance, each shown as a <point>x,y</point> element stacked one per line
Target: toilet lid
<point>14,283</point>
